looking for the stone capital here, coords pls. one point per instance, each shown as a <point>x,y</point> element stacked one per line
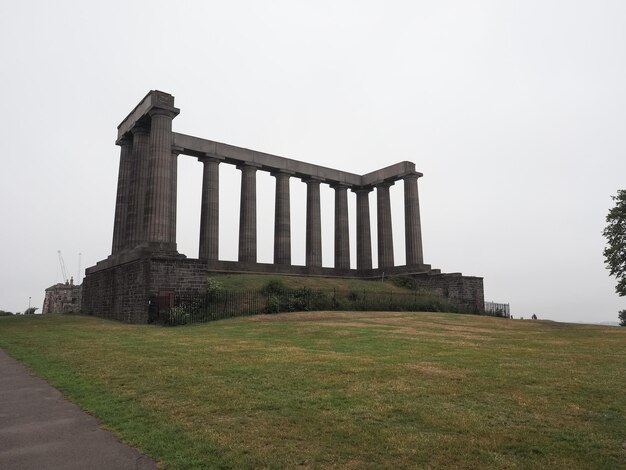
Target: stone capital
<point>385,184</point>
<point>140,130</point>
<point>340,186</point>
<point>208,158</point>
<point>362,190</point>
<point>168,112</point>
<point>125,140</point>
<point>282,173</point>
<point>410,176</point>
<point>312,180</point>
<point>249,167</point>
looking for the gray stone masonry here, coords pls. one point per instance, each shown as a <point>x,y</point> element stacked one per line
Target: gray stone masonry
<point>123,291</point>
<point>342,232</point>
<point>160,202</point>
<point>247,215</point>
<point>195,146</point>
<point>412,225</point>
<point>313,223</point>
<point>209,215</point>
<point>385,235</point>
<point>62,298</point>
<point>282,220</point>
<point>139,182</point>
<point>363,230</point>
<point>123,195</point>
<point>144,259</point>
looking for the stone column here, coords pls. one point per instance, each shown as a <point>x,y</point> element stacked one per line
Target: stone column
<point>385,236</point>
<point>209,215</point>
<point>282,222</point>
<point>247,215</point>
<point>313,223</point>
<point>123,194</point>
<point>363,230</point>
<point>174,192</point>
<point>342,233</point>
<point>412,223</point>
<point>161,184</point>
<point>139,182</point>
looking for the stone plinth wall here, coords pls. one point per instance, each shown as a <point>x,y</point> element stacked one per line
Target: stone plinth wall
<point>123,292</point>
<point>181,276</point>
<point>465,290</point>
<point>118,293</point>
<point>293,270</point>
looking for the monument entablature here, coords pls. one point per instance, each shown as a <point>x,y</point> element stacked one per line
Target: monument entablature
<point>198,147</point>
<point>144,252</point>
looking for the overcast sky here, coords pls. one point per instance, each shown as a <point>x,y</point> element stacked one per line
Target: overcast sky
<point>515,111</point>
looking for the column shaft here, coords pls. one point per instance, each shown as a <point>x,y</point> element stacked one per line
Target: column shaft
<point>161,183</point>
<point>282,222</point>
<point>247,215</point>
<point>412,223</point>
<point>209,215</point>
<point>363,230</point>
<point>385,236</point>
<point>174,194</point>
<point>123,195</point>
<point>313,224</point>
<point>139,182</point>
<point>342,234</point>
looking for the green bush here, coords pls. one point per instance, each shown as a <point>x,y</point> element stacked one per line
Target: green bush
<point>177,316</point>
<point>273,304</point>
<point>214,289</point>
<point>274,286</point>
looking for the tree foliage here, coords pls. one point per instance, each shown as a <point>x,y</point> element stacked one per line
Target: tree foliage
<point>622,317</point>
<point>615,234</point>
<point>30,311</point>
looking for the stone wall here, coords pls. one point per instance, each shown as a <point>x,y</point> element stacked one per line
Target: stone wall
<point>464,290</point>
<point>118,292</point>
<point>62,298</point>
<point>124,291</point>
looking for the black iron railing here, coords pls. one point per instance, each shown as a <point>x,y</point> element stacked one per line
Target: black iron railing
<point>182,309</point>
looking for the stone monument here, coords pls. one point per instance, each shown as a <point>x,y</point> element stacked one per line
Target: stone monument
<point>144,261</point>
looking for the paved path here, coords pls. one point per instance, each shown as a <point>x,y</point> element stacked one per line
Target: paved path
<point>41,430</point>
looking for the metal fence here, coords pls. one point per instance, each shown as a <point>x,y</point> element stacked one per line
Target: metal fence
<point>181,309</point>
<point>497,309</point>
<point>196,308</point>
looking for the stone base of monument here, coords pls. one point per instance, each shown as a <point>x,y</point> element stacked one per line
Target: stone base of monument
<point>121,287</point>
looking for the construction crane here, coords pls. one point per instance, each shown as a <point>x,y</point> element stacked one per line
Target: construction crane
<point>63,270</point>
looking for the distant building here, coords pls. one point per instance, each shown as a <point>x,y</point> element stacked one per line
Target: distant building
<point>63,298</point>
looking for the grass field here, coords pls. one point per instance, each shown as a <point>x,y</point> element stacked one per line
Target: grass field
<point>258,281</point>
<point>346,390</point>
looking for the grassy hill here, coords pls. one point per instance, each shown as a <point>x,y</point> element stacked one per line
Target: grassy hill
<point>347,390</point>
<point>258,281</point>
